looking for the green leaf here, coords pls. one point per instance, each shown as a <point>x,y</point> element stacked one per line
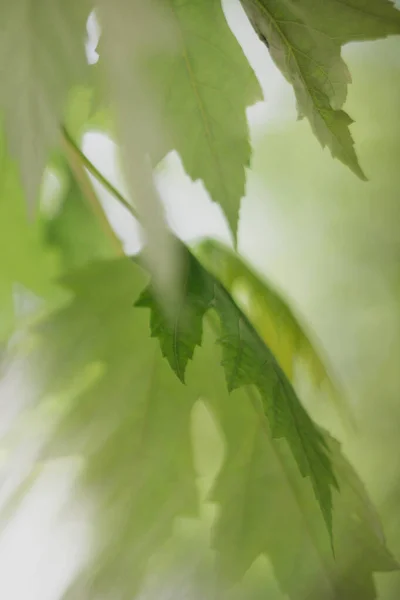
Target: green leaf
<point>273,318</point>
<point>42,56</point>
<point>265,507</point>
<point>130,422</point>
<point>179,335</point>
<point>271,315</point>
<point>203,91</point>
<point>305,42</point>
<point>248,361</point>
<point>27,265</point>
<point>74,231</point>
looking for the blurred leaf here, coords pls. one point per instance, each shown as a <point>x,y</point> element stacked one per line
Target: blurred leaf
<point>266,507</point>
<point>203,90</point>
<point>305,41</point>
<point>180,335</point>
<point>333,244</point>
<point>132,425</point>
<point>79,110</point>
<point>25,260</point>
<point>88,107</point>
<point>75,231</point>
<point>133,32</point>
<point>42,57</point>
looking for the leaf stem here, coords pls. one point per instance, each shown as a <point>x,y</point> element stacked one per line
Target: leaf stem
<point>96,173</point>
<point>73,156</point>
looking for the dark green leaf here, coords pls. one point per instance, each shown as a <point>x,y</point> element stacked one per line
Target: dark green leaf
<point>248,361</point>
<point>285,333</point>
<point>269,312</point>
<point>266,507</point>
<point>180,333</point>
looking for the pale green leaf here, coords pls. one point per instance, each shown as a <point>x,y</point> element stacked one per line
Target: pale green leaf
<point>305,40</point>
<point>131,424</point>
<point>203,91</point>
<point>42,56</point>
<point>180,334</point>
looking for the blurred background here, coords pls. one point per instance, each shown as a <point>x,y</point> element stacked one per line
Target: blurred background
<point>330,242</point>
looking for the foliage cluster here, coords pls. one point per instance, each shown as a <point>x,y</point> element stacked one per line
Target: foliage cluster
<point>129,346</point>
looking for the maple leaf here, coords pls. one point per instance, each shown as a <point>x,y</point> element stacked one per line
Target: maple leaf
<point>266,507</point>
<point>280,326</point>
<point>305,40</point>
<point>180,333</point>
<point>203,91</point>
<point>249,362</point>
